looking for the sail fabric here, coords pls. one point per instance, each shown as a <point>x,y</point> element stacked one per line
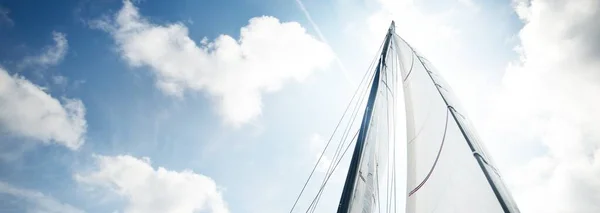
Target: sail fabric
<point>370,194</point>
<point>448,169</point>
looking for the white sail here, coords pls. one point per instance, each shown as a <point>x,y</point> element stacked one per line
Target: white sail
<point>448,169</point>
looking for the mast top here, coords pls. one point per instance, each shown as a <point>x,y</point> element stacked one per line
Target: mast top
<point>392,27</point>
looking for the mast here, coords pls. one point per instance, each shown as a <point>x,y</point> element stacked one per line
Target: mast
<point>349,185</point>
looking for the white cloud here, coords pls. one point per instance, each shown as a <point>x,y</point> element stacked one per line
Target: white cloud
<point>27,111</point>
<point>36,202</point>
<point>550,98</point>
<point>235,73</point>
<point>51,56</point>
<point>148,190</point>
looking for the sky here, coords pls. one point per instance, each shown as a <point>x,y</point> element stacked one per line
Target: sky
<point>222,106</point>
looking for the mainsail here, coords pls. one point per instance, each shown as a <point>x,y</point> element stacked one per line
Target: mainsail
<point>447,168</point>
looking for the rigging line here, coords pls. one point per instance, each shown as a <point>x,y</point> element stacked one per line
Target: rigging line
<point>385,79</point>
<point>351,123</point>
<point>394,127</point>
<point>328,142</point>
<point>347,130</point>
<point>477,154</point>
<point>314,203</point>
<point>436,158</point>
<point>440,86</point>
<point>356,109</point>
<point>337,155</point>
<point>349,126</point>
<point>391,129</point>
<point>390,173</point>
<point>456,112</point>
<point>353,115</point>
<point>316,199</point>
<point>350,185</point>
<point>377,185</point>
<point>392,198</point>
<point>388,181</point>
<point>391,146</point>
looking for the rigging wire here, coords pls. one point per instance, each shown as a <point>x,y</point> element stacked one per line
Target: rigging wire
<point>327,145</point>
<point>338,150</point>
<point>335,130</point>
<point>391,186</point>
<point>316,199</point>
<point>389,179</point>
<point>394,140</point>
<point>345,135</point>
<point>390,127</point>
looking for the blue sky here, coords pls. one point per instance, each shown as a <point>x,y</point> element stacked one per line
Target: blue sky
<point>128,97</point>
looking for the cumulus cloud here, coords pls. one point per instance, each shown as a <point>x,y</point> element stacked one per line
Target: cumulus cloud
<point>235,73</point>
<point>148,190</point>
<point>26,110</point>
<point>35,201</point>
<point>551,94</point>
<point>51,56</point>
